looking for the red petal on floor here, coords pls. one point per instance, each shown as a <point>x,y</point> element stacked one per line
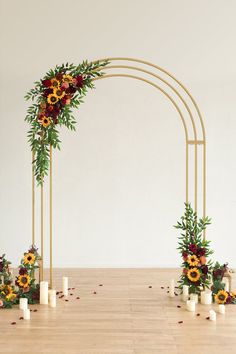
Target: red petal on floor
<point>21,318</point>
<point>198,314</point>
<point>162,287</point>
<point>71,294</point>
<point>207,318</point>
<point>66,300</point>
<point>178,306</point>
<point>150,286</point>
<point>78,298</point>
<point>72,288</point>
<point>181,322</point>
<point>13,323</point>
<point>100,284</point>
<point>95,292</point>
<point>35,310</point>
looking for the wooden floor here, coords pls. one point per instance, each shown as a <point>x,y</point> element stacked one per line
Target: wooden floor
<point>125,316</point>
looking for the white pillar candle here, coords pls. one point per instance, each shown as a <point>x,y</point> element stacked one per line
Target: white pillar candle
<point>190,305</point>
<point>65,286</point>
<point>43,292</point>
<point>52,298</point>
<point>194,297</point>
<point>185,294</point>
<point>226,281</point>
<point>212,315</point>
<point>23,304</point>
<point>221,309</point>
<point>26,314</point>
<point>206,298</point>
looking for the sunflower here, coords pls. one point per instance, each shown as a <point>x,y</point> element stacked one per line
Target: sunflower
<point>193,274</point>
<point>55,83</point>
<point>67,78</point>
<point>29,258</point>
<point>6,290</point>
<point>23,280</point>
<point>58,93</point>
<point>11,297</point>
<point>221,296</point>
<point>233,294</point>
<point>52,98</point>
<point>193,260</point>
<point>45,122</point>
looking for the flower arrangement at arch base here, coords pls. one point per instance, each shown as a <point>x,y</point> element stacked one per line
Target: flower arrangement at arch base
<point>198,271</point>
<point>24,284</point>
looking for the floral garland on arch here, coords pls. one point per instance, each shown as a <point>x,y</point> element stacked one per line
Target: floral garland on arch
<point>55,95</point>
<point>25,283</point>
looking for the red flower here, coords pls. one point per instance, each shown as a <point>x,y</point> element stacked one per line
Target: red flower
<point>47,92</point>
<point>185,255</point>
<point>205,269</point>
<point>193,248</point>
<point>80,81</point>
<point>22,271</point>
<point>59,76</point>
<point>1,267</point>
<point>201,252</point>
<point>70,90</point>
<point>46,83</point>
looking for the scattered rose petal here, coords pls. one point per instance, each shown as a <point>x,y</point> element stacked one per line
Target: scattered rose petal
<point>150,286</point>
<point>168,292</point>
<point>71,294</point>
<point>100,284</point>
<point>162,287</point>
<point>58,292</point>
<point>176,294</point>
<point>35,310</point>
<point>72,288</point>
<point>66,300</point>
<point>207,318</point>
<point>181,322</point>
<point>176,287</point>
<point>198,314</point>
<point>168,287</point>
<point>31,310</point>
<point>178,306</point>
<point>21,318</point>
<point>78,298</point>
<point>95,292</point>
<point>13,323</point>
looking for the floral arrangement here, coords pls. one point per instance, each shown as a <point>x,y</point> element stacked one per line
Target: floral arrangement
<point>7,290</point>
<point>60,90</point>
<point>194,250</point>
<point>25,283</point>
<point>221,296</point>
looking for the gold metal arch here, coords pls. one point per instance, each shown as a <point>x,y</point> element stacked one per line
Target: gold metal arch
<point>193,116</point>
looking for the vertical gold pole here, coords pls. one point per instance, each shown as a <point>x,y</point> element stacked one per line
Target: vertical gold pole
<point>204,185</point>
<point>195,176</point>
<point>33,201</point>
<point>42,236</point>
<point>186,172</point>
<point>50,211</point>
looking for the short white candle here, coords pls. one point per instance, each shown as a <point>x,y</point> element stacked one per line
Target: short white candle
<point>221,309</point>
<point>23,304</point>
<point>26,314</point>
<point>206,298</point>
<point>190,305</point>
<point>52,298</point>
<point>65,286</point>
<point>212,315</point>
<point>185,294</point>
<point>194,297</point>
<point>172,288</point>
<point>43,292</point>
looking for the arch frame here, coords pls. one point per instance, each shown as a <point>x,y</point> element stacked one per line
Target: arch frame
<point>189,115</point>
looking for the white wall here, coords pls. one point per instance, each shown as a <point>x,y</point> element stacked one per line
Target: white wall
<point>119,180</point>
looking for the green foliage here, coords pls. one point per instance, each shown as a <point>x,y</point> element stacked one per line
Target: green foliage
<point>40,137</point>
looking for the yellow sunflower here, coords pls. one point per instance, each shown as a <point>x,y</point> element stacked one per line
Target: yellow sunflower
<point>45,121</point>
<point>11,297</point>
<point>67,78</point>
<point>23,280</point>
<point>55,83</point>
<point>193,260</point>
<point>58,93</point>
<point>233,294</point>
<point>29,258</point>
<point>52,98</point>
<point>221,296</point>
<point>6,290</point>
<point>193,274</point>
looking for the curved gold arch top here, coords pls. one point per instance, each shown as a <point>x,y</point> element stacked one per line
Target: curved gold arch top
<point>189,113</point>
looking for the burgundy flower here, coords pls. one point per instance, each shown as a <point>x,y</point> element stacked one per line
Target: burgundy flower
<point>70,90</point>
<point>46,83</point>
<point>184,255</point>
<point>80,81</point>
<point>193,248</point>
<point>218,274</point>
<point>59,76</point>
<point>201,252</point>
<point>229,298</point>
<point>205,269</point>
<point>22,271</point>
<point>47,92</point>
<point>1,267</point>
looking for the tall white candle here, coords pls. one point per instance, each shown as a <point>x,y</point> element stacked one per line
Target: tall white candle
<point>52,298</point>
<point>212,315</point>
<point>185,294</point>
<point>190,305</point>
<point>26,314</point>
<point>23,304</point>
<point>172,288</point>
<point>206,297</point>
<point>221,309</point>
<point>65,286</point>
<point>43,292</point>
<point>194,297</point>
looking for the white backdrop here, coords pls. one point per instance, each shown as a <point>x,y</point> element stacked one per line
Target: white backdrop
<point>119,180</point>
